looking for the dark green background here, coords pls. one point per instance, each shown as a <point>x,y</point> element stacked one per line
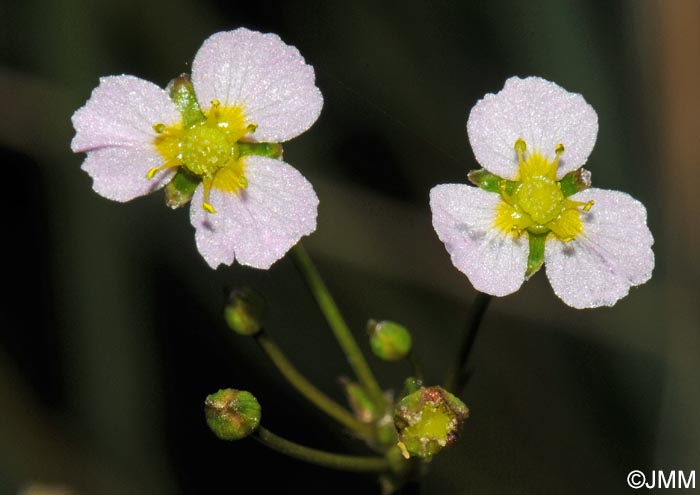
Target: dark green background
<point>111,334</point>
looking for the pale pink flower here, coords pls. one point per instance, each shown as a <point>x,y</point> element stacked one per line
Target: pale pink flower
<point>250,87</point>
<point>594,243</point>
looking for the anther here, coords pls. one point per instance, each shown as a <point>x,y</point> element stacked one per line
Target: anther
<point>215,103</point>
<point>208,207</point>
<point>159,127</point>
<point>520,146</point>
<point>243,182</point>
<point>589,205</point>
<point>559,149</point>
<point>252,128</point>
<point>152,172</point>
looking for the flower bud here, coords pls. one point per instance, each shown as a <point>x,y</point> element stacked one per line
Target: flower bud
<point>365,410</point>
<point>428,420</point>
<point>232,414</point>
<point>245,311</point>
<point>389,340</point>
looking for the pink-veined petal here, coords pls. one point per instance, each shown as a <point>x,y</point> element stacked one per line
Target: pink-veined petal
<point>267,78</point>
<point>463,218</point>
<point>541,113</point>
<point>259,224</point>
<point>611,255</point>
<point>121,112</point>
<point>119,172</point>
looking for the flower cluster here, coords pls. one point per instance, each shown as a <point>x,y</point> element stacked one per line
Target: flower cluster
<point>534,203</point>
<point>212,134</point>
<point>213,139</point>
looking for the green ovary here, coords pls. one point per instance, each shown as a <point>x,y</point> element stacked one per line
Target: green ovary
<point>208,148</point>
<point>537,204</point>
<point>205,149</point>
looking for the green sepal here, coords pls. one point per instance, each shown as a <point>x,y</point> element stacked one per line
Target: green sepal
<point>490,182</point>
<point>182,93</point>
<point>179,191</point>
<point>270,150</point>
<point>575,181</point>
<point>536,257</point>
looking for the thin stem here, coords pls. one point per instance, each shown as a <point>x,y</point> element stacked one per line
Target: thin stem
<point>455,380</point>
<point>307,389</point>
<point>415,366</point>
<point>337,323</point>
<point>366,464</point>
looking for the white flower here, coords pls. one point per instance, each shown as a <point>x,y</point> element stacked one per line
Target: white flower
<point>534,205</point>
<point>248,87</point>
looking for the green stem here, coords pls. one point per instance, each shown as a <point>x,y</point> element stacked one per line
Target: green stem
<point>340,328</point>
<point>455,380</point>
<point>359,464</point>
<point>307,389</point>
<point>415,366</point>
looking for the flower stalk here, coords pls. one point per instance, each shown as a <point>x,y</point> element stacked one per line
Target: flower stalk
<point>457,376</point>
<point>340,329</point>
<point>308,389</point>
<point>360,464</point>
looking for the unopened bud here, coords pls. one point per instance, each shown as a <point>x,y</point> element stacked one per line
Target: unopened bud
<point>232,414</point>
<point>428,420</point>
<point>389,340</point>
<point>245,311</point>
<point>361,404</point>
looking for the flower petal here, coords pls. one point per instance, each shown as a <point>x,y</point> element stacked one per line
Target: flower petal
<point>121,112</point>
<point>119,172</point>
<point>538,111</point>
<point>258,225</point>
<point>463,218</point>
<point>260,73</point>
<point>613,253</point>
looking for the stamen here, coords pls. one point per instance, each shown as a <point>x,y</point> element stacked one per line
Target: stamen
<point>558,151</point>
<point>152,172</point>
<point>207,183</point>
<point>404,450</point>
<point>520,147</point>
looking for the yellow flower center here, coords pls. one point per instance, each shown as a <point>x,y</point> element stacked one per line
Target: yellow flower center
<point>536,203</point>
<point>208,149</point>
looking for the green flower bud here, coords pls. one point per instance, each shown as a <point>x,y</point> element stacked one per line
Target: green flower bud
<point>389,340</point>
<point>428,420</point>
<point>232,414</point>
<point>245,311</point>
<point>361,404</point>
